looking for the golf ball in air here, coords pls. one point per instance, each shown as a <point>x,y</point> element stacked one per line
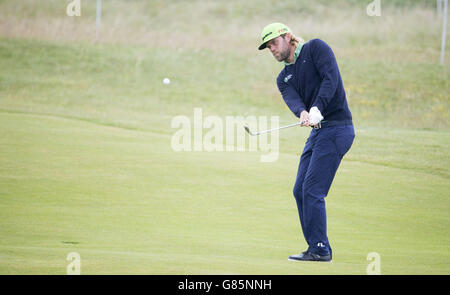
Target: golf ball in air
<point>166,81</point>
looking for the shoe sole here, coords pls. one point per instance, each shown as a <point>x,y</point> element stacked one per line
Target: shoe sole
<point>290,259</point>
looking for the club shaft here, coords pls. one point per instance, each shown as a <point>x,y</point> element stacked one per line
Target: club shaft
<point>279,128</point>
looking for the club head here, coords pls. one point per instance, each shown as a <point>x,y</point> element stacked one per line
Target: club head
<point>248,130</point>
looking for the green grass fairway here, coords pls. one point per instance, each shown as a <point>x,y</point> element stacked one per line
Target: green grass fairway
<point>86,163</point>
<point>128,204</point>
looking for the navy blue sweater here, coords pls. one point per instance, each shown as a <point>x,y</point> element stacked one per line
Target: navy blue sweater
<point>314,80</point>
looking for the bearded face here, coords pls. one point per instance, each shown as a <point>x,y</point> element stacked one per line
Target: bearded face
<point>279,47</point>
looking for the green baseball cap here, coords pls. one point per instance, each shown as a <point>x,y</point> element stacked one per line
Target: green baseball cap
<point>271,32</point>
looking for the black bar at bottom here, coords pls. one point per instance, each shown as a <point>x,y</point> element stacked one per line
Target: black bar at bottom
<point>222,284</point>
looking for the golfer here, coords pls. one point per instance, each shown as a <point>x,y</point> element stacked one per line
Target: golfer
<point>311,86</point>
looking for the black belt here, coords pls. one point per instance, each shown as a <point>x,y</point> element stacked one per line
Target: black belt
<point>324,124</point>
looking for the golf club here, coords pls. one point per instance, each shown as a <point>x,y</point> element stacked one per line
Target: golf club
<point>269,130</point>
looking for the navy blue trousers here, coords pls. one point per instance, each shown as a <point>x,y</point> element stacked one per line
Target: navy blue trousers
<point>319,162</point>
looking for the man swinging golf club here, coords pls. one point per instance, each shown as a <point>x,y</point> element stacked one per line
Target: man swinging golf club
<point>311,86</point>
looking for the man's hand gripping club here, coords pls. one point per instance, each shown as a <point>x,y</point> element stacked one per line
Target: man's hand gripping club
<point>312,118</point>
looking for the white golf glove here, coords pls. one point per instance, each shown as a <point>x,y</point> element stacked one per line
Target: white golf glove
<point>315,116</point>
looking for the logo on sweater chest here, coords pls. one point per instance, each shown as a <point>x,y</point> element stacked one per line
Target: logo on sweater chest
<point>286,79</point>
